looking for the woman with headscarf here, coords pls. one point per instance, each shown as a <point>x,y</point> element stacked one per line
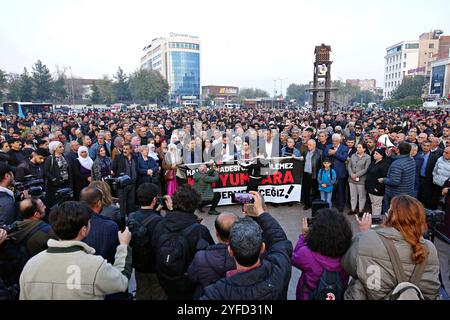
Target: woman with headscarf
<point>170,162</point>
<point>57,172</point>
<point>101,167</point>
<point>82,171</point>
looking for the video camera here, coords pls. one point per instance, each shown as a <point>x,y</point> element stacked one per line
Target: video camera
<point>34,186</point>
<point>10,227</point>
<point>119,182</point>
<point>435,219</point>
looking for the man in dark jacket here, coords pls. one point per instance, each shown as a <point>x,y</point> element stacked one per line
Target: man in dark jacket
<point>426,176</point>
<point>212,264</point>
<point>7,201</point>
<point>255,278</point>
<point>33,166</point>
<point>181,224</point>
<point>126,164</point>
<point>32,231</point>
<point>16,151</point>
<point>312,165</point>
<point>339,154</point>
<point>102,235</point>
<point>401,175</point>
<point>147,285</point>
<point>377,169</point>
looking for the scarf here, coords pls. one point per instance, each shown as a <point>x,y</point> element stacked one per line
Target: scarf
<point>85,162</point>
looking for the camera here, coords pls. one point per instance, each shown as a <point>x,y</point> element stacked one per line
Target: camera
<point>34,186</point>
<point>435,218</point>
<point>64,194</point>
<point>242,198</point>
<point>161,201</point>
<point>10,227</point>
<point>119,182</point>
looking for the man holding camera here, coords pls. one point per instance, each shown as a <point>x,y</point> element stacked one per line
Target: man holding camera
<point>203,180</point>
<point>126,164</point>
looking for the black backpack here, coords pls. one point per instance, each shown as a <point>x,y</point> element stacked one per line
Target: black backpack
<point>329,287</point>
<point>172,261</point>
<point>141,242</point>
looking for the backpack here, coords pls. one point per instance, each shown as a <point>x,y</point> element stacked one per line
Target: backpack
<point>405,289</point>
<point>172,261</point>
<point>141,242</point>
<point>329,287</point>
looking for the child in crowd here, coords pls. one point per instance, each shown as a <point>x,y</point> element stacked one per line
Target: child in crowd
<point>326,179</point>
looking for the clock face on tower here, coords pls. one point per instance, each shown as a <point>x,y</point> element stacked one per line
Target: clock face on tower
<point>322,69</point>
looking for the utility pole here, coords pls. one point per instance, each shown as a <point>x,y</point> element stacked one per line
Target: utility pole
<point>73,94</point>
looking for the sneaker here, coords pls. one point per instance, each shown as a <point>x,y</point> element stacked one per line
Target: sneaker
<point>213,212</point>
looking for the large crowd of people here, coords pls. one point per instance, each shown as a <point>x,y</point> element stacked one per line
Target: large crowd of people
<point>112,189</point>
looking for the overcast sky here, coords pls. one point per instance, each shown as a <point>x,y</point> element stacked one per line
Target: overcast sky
<point>243,43</point>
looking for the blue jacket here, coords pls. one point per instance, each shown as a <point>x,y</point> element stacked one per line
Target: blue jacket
<point>270,280</point>
<point>143,166</point>
<point>103,237</point>
<point>324,177</point>
<point>296,152</point>
<point>401,176</point>
<point>7,208</point>
<point>338,160</point>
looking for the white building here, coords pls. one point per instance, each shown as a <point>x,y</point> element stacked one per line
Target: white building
<point>177,58</point>
<point>400,59</point>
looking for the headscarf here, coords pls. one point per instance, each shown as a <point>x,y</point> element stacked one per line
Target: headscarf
<point>53,145</point>
<point>174,157</point>
<point>151,152</point>
<point>85,162</point>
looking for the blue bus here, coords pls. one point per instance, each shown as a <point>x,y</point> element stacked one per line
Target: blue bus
<point>22,109</point>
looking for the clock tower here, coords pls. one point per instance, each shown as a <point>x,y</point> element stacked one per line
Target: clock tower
<point>321,88</point>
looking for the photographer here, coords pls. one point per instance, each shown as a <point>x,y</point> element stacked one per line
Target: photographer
<point>126,164</point>
<point>7,201</point>
<point>33,166</point>
<point>203,180</point>
<point>45,276</point>
<point>32,231</point>
<point>253,273</point>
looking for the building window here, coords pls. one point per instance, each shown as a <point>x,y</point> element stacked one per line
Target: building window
<point>404,64</point>
<point>404,73</point>
<point>405,55</point>
<point>431,46</point>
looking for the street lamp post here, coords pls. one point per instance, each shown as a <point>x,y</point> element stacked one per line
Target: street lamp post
<point>73,94</point>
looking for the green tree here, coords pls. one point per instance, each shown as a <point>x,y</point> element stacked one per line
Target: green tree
<point>209,99</point>
<point>410,87</point>
<point>26,86</point>
<point>42,82</point>
<point>59,89</point>
<point>105,87</point>
<point>13,87</point>
<point>95,96</point>
<point>120,86</point>
<point>365,96</point>
<point>148,86</point>
<point>3,84</point>
<point>297,92</point>
<point>252,93</point>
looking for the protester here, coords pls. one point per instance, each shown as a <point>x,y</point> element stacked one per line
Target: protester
<point>109,209</point>
<point>82,171</point>
<point>7,207</point>
<point>357,169</point>
<point>203,179</point>
<point>326,179</point>
<point>45,276</point>
<point>320,248</point>
<point>249,281</point>
<point>101,168</point>
<point>403,228</point>
<point>377,169</point>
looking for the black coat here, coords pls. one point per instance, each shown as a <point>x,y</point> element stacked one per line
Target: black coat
<point>119,166</point>
<point>210,265</point>
<point>270,280</point>
<point>52,175</point>
<point>198,239</point>
<point>375,171</point>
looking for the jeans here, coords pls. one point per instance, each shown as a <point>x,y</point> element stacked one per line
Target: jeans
<point>326,196</point>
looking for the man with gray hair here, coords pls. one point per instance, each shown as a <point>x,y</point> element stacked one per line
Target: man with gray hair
<point>255,277</point>
<point>338,153</point>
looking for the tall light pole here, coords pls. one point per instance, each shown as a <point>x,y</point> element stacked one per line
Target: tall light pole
<point>73,94</point>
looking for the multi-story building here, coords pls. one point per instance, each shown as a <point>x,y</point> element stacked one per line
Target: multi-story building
<point>399,59</point>
<point>428,52</point>
<point>364,85</point>
<point>177,58</point>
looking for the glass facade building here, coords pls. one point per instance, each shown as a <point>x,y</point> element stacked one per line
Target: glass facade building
<point>184,74</point>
